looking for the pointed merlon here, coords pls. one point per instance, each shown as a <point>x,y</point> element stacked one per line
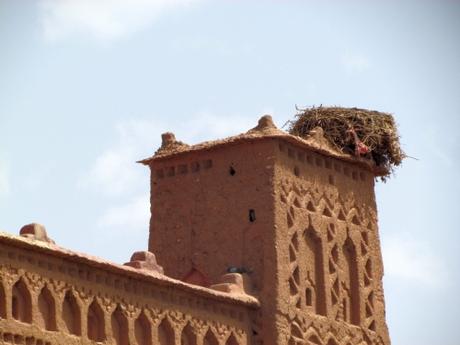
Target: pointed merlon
<point>234,283</point>
<point>36,232</point>
<point>169,144</point>
<point>145,261</point>
<point>265,125</point>
<point>167,139</point>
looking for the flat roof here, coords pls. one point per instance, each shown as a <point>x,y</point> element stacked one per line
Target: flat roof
<point>266,129</point>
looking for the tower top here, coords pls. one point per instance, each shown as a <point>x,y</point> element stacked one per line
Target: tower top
<point>265,129</point>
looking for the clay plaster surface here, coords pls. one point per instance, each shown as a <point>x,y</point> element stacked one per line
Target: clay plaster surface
<point>54,296</point>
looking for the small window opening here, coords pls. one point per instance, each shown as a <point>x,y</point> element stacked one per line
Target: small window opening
<point>207,164</point>
<point>232,171</point>
<point>296,171</point>
<point>195,166</point>
<point>331,179</point>
<point>183,169</point>
<point>160,173</point>
<point>171,171</point>
<point>252,215</point>
<point>308,297</point>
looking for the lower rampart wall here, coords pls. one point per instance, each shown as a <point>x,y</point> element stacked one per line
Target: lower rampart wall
<point>48,299</point>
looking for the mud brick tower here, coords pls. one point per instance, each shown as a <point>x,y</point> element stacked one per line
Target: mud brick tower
<point>264,238</point>
<point>296,216</point>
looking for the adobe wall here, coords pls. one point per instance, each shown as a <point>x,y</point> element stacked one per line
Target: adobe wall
<point>327,239</point>
<point>50,297</point>
<point>201,206</point>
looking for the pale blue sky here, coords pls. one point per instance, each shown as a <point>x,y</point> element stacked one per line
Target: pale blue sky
<point>87,87</point>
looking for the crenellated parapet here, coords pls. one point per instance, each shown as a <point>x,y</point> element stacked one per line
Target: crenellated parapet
<point>49,296</point>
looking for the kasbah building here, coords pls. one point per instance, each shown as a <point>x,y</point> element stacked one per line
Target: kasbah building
<point>264,238</point>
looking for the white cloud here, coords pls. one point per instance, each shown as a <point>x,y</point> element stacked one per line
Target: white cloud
<point>102,19</point>
<point>355,62</point>
<point>133,215</point>
<point>413,261</point>
<point>115,173</point>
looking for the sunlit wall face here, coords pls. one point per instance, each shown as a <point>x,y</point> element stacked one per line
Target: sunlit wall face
<point>87,87</point>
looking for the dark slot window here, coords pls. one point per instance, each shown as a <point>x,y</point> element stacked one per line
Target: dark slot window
<point>252,215</point>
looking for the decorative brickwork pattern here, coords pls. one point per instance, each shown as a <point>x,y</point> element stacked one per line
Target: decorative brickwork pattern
<point>329,256</point>
<point>41,309</point>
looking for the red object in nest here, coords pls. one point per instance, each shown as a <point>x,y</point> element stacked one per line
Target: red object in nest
<point>360,147</point>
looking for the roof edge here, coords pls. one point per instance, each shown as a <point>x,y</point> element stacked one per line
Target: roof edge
<point>316,142</point>
<point>96,262</point>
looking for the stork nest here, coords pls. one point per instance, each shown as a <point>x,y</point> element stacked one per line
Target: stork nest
<point>360,132</point>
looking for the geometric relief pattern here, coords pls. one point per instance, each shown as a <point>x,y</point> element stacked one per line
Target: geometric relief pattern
<point>336,311</point>
<point>294,276</point>
<point>326,243</point>
<point>323,332</point>
<point>369,293</point>
<point>313,262</point>
<point>351,288</point>
<point>99,313</point>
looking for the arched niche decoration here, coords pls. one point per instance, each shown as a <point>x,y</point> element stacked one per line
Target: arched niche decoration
<point>165,333</point>
<point>142,330</point>
<point>314,340</point>
<point>351,309</point>
<point>188,335</point>
<point>231,340</point>
<point>119,324</point>
<point>21,302</point>
<point>210,338</point>
<point>196,277</point>
<point>71,314</point>
<point>47,309</point>
<point>332,341</point>
<point>2,301</point>
<point>315,291</point>
<point>96,326</point>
